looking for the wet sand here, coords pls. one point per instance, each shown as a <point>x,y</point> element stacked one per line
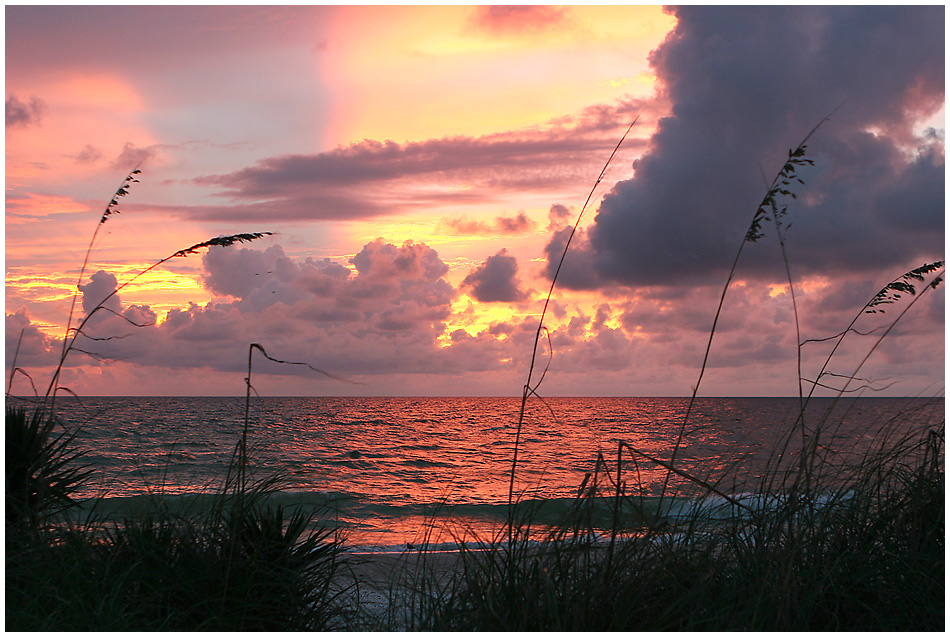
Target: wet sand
<point>384,578</point>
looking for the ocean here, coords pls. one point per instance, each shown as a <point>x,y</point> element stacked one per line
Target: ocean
<point>395,471</point>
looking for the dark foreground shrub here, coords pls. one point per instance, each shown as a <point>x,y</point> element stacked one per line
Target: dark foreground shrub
<point>238,565</point>
<point>254,569</point>
<point>41,471</point>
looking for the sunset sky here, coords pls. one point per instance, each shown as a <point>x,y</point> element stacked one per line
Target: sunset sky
<point>421,168</point>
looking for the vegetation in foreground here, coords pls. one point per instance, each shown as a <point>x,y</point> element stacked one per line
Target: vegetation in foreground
<point>866,555</point>
<point>823,545</point>
<point>238,565</point>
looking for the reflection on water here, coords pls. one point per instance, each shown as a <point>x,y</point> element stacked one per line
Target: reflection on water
<point>386,465</point>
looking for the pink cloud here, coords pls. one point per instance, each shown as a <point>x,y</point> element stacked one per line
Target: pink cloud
<point>502,225</point>
<point>516,19</point>
<point>354,181</point>
<point>20,114</point>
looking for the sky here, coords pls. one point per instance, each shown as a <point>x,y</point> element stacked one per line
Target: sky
<point>421,170</point>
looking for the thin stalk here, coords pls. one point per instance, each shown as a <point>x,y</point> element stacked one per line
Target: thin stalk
<point>933,284</point>
<point>804,465</point>
<point>528,389</point>
<point>16,353</point>
<point>918,272</point>
<point>751,235</point>
<point>880,298</point>
<point>110,210</point>
<point>242,459</point>
<point>615,526</point>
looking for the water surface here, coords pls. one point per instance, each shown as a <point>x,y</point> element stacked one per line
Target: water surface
<point>385,468</point>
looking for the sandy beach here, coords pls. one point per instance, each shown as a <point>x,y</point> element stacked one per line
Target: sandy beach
<point>374,580</point>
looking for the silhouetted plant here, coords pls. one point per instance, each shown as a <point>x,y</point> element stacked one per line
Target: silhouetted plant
<point>41,469</point>
<point>111,209</point>
<point>891,293</point>
<point>769,204</point>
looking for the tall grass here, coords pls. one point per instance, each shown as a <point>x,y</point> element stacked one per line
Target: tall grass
<point>817,542</point>
<point>864,551</point>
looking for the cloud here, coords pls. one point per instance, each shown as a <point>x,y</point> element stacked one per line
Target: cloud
<point>315,310</point>
<point>745,85</point>
<point>371,177</point>
<point>393,288</point>
<point>21,114</point>
<point>558,216</point>
<point>88,155</point>
<point>379,260</point>
<point>97,289</point>
<point>112,321</point>
<point>62,36</point>
<point>25,341</point>
<point>132,156</point>
<point>578,271</point>
<point>374,161</point>
<point>383,315</point>
<point>519,19</point>
<point>382,320</point>
<point>496,280</point>
<point>513,225</point>
<point>503,225</point>
<point>239,273</point>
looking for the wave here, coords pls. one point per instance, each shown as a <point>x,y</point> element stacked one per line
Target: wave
<point>350,509</point>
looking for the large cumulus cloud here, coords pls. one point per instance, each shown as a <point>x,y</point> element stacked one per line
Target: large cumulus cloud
<point>746,84</point>
<point>383,314</point>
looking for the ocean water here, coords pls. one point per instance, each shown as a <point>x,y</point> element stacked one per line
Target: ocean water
<point>388,471</point>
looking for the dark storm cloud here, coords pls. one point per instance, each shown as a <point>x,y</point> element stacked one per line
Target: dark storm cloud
<point>496,280</point>
<point>371,177</point>
<point>746,84</point>
<point>21,114</point>
<point>577,271</point>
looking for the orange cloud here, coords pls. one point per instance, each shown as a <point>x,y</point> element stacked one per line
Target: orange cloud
<point>26,207</point>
